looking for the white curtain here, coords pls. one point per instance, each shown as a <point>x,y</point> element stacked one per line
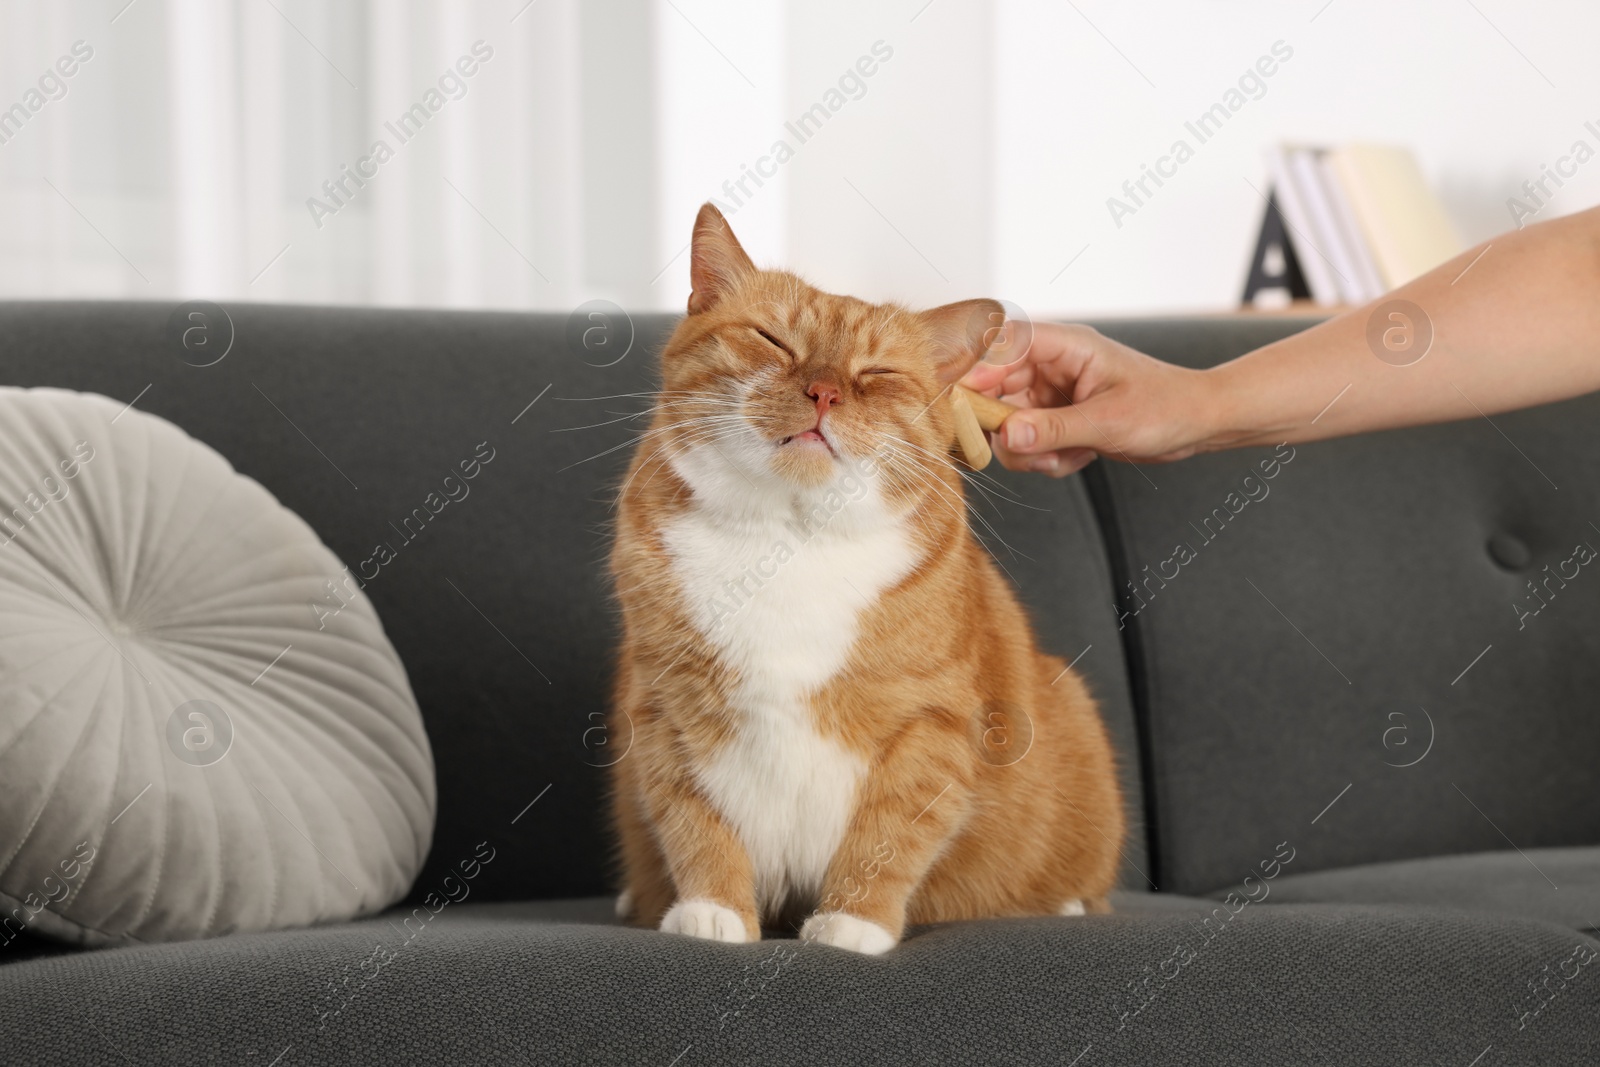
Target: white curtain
<point>230,149</point>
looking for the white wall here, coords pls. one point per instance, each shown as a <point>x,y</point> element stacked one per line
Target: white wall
<point>976,159</point>
<point>720,102</point>
<point>894,198</point>
<point>1077,120</point>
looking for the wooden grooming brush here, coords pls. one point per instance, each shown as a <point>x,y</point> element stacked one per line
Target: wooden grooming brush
<point>974,414</point>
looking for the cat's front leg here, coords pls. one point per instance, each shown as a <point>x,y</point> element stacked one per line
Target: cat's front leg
<point>709,865</point>
<point>902,820</point>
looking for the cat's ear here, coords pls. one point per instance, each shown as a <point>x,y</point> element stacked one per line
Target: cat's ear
<point>717,262</point>
<point>962,333</point>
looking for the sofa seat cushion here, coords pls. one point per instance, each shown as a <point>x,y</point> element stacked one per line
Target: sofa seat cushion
<point>1347,984</point>
<point>1558,885</point>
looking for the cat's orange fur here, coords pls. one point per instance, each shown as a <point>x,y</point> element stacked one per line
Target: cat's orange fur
<point>980,775</point>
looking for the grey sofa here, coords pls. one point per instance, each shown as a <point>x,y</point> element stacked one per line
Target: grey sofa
<point>1360,769</point>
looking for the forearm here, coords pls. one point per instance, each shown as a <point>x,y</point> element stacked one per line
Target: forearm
<point>1515,322</point>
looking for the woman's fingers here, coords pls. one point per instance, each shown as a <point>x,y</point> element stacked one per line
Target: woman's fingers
<point>1057,464</point>
<point>1034,431</point>
<point>984,377</point>
<point>1081,394</point>
<point>1041,352</point>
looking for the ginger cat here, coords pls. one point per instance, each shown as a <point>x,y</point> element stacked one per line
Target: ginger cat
<point>836,705</point>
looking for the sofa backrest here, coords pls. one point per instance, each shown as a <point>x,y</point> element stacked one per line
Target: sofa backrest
<point>1358,629</point>
<point>498,604</point>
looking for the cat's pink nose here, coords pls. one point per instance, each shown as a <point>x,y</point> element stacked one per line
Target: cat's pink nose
<point>825,394</point>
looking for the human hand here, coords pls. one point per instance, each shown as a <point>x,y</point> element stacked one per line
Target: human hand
<point>1084,395</point>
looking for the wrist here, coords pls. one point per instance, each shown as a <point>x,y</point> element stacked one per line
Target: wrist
<point>1218,424</point>
<point>1243,406</point>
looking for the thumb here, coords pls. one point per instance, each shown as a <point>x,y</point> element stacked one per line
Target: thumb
<point>1034,430</point>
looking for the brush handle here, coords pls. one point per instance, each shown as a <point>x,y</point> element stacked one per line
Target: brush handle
<point>975,413</point>
<point>969,435</point>
<point>990,412</point>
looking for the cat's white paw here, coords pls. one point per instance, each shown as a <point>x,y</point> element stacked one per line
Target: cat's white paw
<point>704,918</point>
<point>1072,907</point>
<point>848,932</point>
<point>624,903</point>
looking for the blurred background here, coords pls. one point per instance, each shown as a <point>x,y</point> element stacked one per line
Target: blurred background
<point>517,154</point>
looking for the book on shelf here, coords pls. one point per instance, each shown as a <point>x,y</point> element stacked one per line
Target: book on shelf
<point>1345,225</point>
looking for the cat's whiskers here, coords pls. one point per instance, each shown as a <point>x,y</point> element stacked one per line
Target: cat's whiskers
<point>639,439</point>
<point>698,433</point>
<point>921,466</point>
<point>679,447</point>
<point>645,395</point>
<point>675,399</point>
<point>918,477</point>
<point>944,459</point>
<point>597,425</point>
<point>686,429</point>
<point>975,478</point>
<point>625,416</point>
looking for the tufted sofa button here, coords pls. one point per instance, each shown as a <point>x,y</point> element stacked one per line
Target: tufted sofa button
<point>1508,551</point>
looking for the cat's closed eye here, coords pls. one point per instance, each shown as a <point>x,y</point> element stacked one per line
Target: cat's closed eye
<point>775,343</point>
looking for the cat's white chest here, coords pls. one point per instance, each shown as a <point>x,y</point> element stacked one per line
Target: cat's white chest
<point>781,599</point>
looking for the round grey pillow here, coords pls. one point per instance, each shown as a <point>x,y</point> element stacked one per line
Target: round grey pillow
<point>203,728</point>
